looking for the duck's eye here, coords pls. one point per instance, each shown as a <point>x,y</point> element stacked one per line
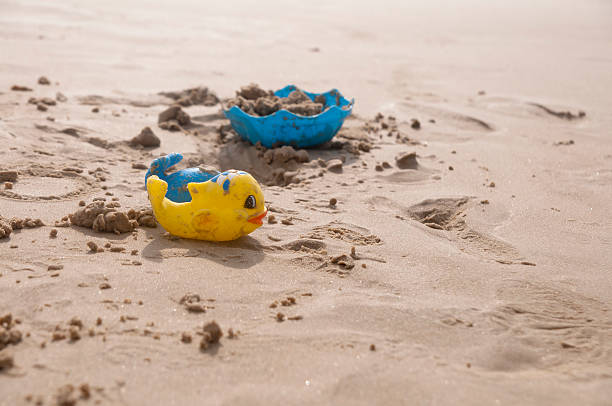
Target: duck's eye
<point>250,202</point>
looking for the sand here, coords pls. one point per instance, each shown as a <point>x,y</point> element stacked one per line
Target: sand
<point>461,260</point>
<point>256,101</point>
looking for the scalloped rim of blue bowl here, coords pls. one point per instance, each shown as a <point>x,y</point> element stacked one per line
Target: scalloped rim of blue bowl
<point>339,106</point>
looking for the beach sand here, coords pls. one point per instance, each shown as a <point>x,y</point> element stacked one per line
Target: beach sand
<point>466,260</point>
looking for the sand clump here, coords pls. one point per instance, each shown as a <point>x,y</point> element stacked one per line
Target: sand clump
<point>93,247</point>
<point>388,126</point>
<point>101,218</point>
<point>8,176</point>
<point>146,138</point>
<point>72,330</point>
<point>191,97</point>
<point>284,163</point>
<point>285,154</point>
<point>211,334</point>
<point>7,226</point>
<point>9,335</point>
<point>69,395</point>
<point>186,337</point>
<point>174,118</point>
<point>254,100</point>
<point>334,165</point>
<point>19,88</point>
<point>287,302</point>
<point>6,361</point>
<point>18,224</point>
<point>193,303</point>
<point>104,217</point>
<point>139,165</point>
<point>407,160</point>
<point>44,100</point>
<point>275,166</point>
<point>354,140</point>
<point>144,217</point>
<point>42,104</point>
<point>560,143</point>
<point>344,261</point>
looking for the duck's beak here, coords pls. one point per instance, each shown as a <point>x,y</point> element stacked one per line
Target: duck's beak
<point>257,218</point>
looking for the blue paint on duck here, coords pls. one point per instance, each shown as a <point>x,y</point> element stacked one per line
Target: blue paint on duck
<point>177,181</point>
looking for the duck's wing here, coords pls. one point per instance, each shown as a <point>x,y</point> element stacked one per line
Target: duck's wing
<point>206,220</point>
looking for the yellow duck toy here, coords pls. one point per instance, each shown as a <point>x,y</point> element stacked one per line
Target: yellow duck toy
<point>224,208</point>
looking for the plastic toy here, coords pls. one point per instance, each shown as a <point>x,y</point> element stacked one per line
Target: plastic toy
<point>224,207</point>
<point>286,128</point>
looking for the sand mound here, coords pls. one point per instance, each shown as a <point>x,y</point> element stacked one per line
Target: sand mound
<point>104,217</point>
<point>194,96</point>
<point>5,228</point>
<point>254,100</point>
<point>8,226</point>
<point>9,335</point>
<point>173,119</point>
<point>407,160</point>
<point>101,218</point>
<point>146,138</point>
<point>8,176</point>
<point>275,166</point>
<point>211,334</point>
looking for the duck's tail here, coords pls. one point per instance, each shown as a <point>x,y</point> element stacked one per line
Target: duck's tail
<point>160,165</point>
<point>157,189</point>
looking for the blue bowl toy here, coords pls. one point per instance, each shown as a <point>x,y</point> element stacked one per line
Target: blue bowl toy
<point>286,128</point>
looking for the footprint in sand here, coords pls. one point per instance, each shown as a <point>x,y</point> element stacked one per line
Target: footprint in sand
<point>449,216</point>
<point>313,248</point>
<point>505,355</point>
<point>450,119</point>
<point>410,170</point>
<point>346,232</point>
<point>133,347</point>
<point>561,328</point>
